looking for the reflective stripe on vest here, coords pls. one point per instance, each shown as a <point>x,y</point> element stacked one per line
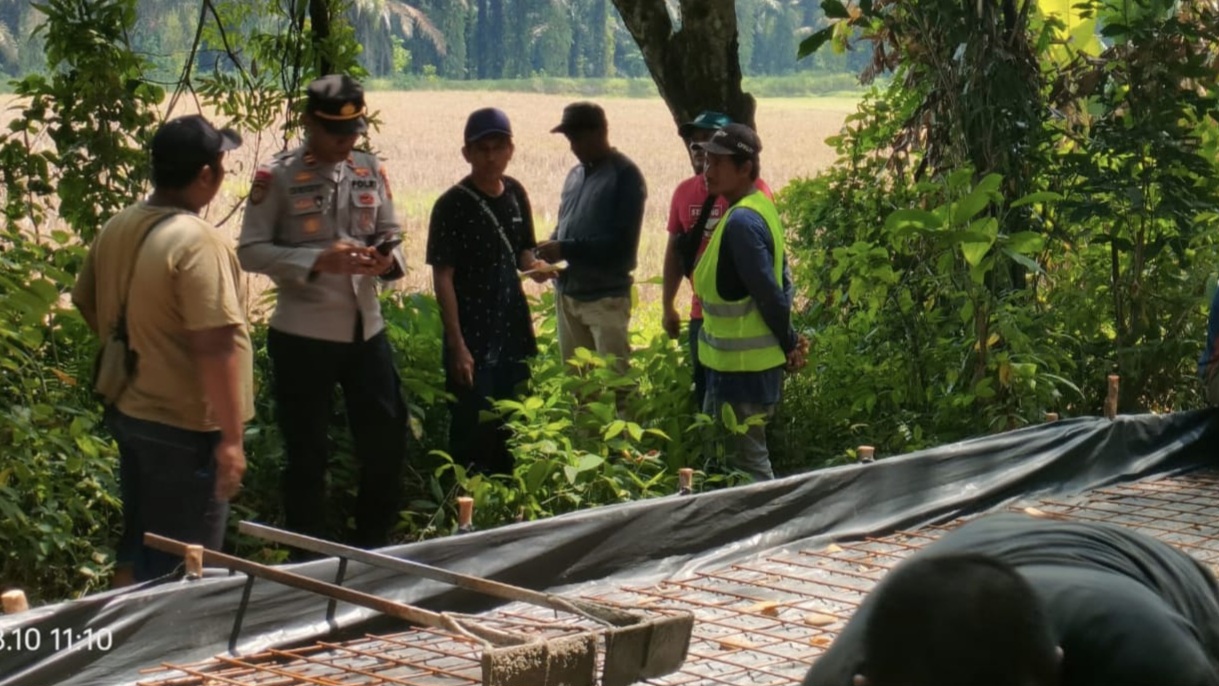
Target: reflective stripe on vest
<point>755,343</point>
<point>735,337</point>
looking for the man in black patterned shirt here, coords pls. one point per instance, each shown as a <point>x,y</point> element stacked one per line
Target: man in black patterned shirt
<point>481,234</point>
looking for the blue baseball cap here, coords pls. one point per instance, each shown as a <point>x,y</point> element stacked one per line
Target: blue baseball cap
<point>485,122</point>
<point>707,119</point>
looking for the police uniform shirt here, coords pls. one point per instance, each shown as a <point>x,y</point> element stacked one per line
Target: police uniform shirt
<point>297,208</point>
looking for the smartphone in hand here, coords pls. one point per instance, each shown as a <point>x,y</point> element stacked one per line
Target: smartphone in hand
<point>387,246</point>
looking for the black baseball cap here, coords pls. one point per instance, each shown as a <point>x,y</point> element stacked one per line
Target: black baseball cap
<point>733,139</point>
<point>581,116</point>
<point>183,146</point>
<point>707,119</point>
<point>486,122</point>
<point>337,102</point>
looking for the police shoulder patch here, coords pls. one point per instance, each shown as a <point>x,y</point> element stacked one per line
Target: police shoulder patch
<point>258,193</point>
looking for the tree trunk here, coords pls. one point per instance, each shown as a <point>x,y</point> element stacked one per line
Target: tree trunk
<point>697,67</point>
<point>319,17</point>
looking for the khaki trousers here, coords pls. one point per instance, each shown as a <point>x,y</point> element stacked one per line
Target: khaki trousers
<point>599,325</point>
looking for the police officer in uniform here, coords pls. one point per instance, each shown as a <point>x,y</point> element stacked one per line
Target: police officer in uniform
<point>320,222</point>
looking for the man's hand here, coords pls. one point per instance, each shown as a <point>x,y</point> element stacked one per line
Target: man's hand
<point>461,363</point>
<point>798,357</point>
<point>541,271</point>
<point>381,263</point>
<point>550,251</point>
<point>230,467</point>
<point>671,321</point>
<point>342,257</point>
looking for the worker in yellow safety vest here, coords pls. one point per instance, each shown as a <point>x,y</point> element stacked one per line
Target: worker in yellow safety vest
<point>742,280</point>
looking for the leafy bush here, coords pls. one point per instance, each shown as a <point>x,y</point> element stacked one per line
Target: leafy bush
<point>58,472</point>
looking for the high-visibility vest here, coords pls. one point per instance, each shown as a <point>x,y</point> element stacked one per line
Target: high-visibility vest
<point>734,337</point>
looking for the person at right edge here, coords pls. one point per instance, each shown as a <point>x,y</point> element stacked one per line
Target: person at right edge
<point>743,282</point>
<point>320,222</point>
<point>1014,600</point>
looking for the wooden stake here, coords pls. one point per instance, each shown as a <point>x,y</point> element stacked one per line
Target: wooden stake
<point>866,453</point>
<point>465,513</point>
<point>14,601</point>
<point>1051,416</point>
<point>685,481</point>
<point>194,561</point>
<point>1111,399</point>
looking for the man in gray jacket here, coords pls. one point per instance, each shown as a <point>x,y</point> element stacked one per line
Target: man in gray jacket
<point>320,222</point>
<point>600,215</point>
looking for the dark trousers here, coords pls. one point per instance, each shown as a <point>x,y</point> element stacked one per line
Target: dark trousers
<point>477,444</point>
<point>696,367</point>
<point>305,371</point>
<point>167,479</point>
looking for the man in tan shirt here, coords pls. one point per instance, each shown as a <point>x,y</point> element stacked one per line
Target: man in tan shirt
<point>179,419</point>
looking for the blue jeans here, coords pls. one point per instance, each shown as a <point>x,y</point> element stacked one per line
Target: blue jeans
<point>478,444</point>
<point>747,452</point>
<point>167,479</point>
<point>696,367</point>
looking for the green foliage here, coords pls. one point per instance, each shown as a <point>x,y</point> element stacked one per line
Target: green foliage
<point>584,434</point>
<point>956,287</point>
<point>58,472</point>
<point>76,149</point>
<point>98,110</point>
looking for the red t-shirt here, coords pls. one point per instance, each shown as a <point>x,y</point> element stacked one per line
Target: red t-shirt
<point>687,202</point>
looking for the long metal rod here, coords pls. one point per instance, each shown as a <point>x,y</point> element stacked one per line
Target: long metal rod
<point>473,583</point>
<point>347,595</point>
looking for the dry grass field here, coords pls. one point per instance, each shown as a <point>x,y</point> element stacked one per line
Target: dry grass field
<point>420,139</point>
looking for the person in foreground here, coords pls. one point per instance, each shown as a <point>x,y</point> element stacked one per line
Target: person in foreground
<point>178,415</point>
<point>1012,600</point>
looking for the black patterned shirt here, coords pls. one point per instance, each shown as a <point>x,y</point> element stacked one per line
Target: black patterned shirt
<point>491,306</point>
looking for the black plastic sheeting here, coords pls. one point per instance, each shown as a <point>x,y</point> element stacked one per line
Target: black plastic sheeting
<point>643,542</point>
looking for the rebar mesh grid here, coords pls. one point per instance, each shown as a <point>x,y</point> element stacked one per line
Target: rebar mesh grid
<point>761,621</point>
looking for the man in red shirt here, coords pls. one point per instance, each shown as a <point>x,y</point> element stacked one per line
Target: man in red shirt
<point>690,200</point>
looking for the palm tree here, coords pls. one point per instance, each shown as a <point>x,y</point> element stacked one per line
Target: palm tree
<point>375,22</point>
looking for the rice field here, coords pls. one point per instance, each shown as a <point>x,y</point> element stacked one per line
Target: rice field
<point>420,137</point>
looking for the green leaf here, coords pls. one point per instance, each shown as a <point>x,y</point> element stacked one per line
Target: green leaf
<point>729,417</point>
<point>616,427</point>
<point>912,220</point>
<point>571,473</point>
<point>834,9</point>
<point>589,462</point>
<point>1024,261</point>
<point>814,42</point>
<point>1024,242</point>
<point>975,251</point>
<point>635,431</point>
<point>1039,197</point>
<point>968,207</point>
<point>537,474</point>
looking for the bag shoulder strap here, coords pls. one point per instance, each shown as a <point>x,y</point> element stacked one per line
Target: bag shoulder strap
<point>134,257</point>
<point>499,227</point>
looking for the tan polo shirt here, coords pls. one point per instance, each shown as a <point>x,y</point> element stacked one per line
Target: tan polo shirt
<point>186,278</point>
